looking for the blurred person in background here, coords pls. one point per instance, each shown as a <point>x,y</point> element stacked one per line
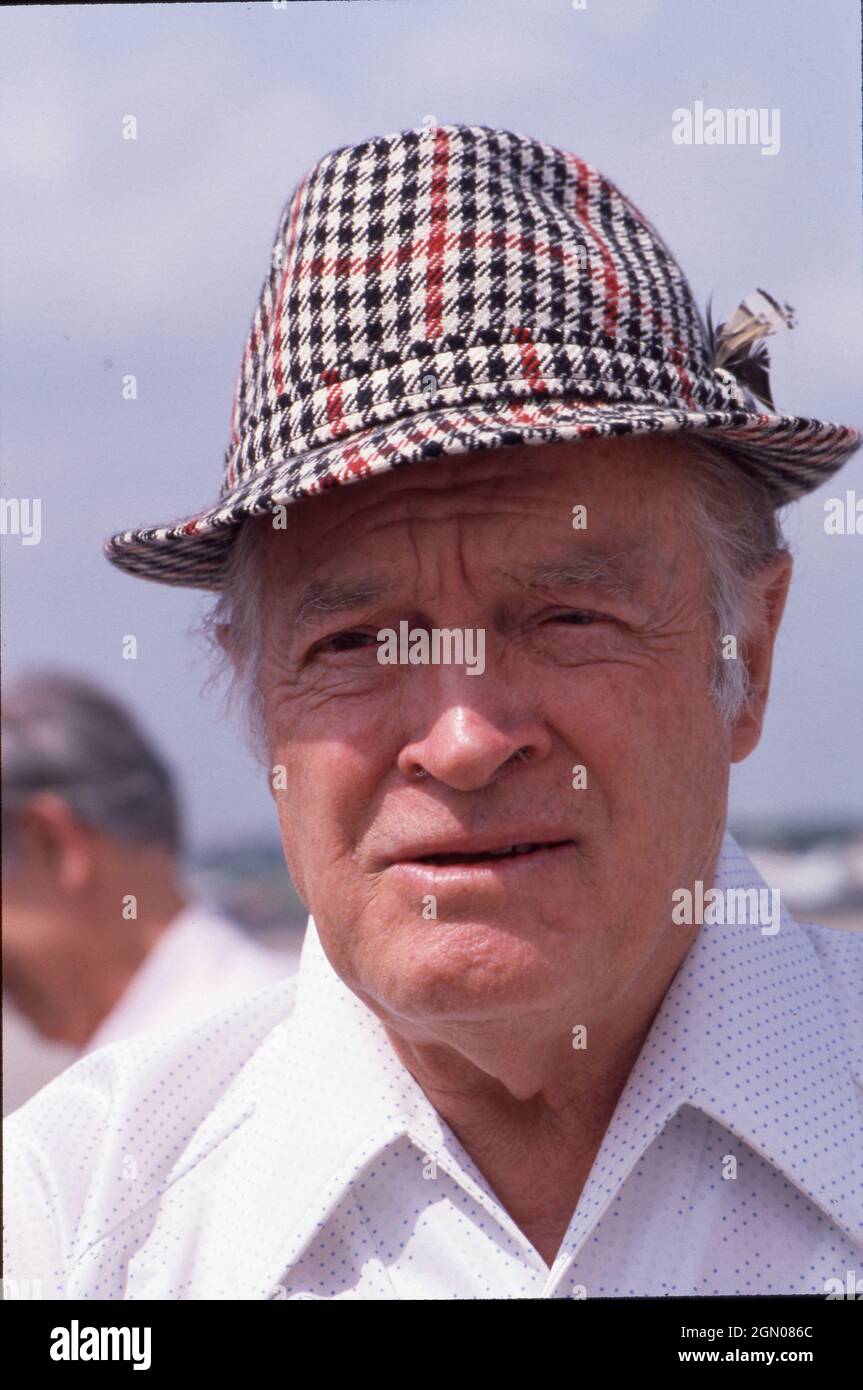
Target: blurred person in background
<point>100,938</point>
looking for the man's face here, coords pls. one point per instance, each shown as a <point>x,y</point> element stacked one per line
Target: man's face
<point>598,649</point>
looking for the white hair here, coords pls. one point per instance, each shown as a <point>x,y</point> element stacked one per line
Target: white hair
<point>732,513</point>
<point>735,517</point>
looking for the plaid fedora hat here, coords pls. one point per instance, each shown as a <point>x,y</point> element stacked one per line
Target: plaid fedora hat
<point>455,288</point>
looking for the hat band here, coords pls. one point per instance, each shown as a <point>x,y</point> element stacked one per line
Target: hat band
<point>539,371</point>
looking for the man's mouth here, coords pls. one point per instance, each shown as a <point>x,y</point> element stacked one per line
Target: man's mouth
<point>506,852</point>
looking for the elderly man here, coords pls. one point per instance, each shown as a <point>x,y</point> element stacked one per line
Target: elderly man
<point>550,1035</point>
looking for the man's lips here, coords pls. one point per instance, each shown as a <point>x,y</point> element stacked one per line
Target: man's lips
<point>466,851</point>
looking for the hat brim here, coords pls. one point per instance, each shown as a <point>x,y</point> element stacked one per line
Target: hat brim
<point>789,454</point>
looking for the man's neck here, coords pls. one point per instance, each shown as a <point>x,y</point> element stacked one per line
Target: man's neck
<point>535,1153</point>
<point>532,1113</point>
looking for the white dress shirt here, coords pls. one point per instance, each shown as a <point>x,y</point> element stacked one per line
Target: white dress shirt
<point>281,1150</point>
<point>200,963</point>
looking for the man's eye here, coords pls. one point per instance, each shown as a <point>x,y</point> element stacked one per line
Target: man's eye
<point>346,642</point>
<point>578,617</point>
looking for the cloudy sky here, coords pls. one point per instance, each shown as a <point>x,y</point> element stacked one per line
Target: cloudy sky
<point>147,256</point>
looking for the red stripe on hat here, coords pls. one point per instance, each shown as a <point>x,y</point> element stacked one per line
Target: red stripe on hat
<point>355,462</point>
<point>350,462</point>
<point>512,241</point>
<point>419,436</point>
<point>757,422</point>
<point>343,267</point>
<point>437,235</point>
<point>609,274</point>
<point>517,411</point>
<point>335,409</point>
<point>531,369</point>
<point>685,382</point>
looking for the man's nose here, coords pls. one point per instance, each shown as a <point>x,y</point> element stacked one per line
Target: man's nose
<point>467,747</point>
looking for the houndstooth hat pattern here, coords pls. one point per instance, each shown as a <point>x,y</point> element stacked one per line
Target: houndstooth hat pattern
<point>456,288</point>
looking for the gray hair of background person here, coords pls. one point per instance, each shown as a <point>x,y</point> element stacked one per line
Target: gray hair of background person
<point>62,734</point>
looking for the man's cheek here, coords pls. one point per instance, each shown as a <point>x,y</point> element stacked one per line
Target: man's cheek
<point>317,813</point>
<point>613,736</point>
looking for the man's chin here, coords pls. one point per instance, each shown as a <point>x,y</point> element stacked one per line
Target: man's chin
<point>461,969</point>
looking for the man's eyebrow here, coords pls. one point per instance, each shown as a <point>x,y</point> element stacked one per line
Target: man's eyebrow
<point>325,597</point>
<point>621,574</point>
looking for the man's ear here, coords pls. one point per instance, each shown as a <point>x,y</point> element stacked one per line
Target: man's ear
<point>769,600</point>
<point>59,847</point>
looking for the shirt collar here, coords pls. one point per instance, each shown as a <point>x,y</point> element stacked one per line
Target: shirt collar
<point>747,1028</point>
<point>746,1017</point>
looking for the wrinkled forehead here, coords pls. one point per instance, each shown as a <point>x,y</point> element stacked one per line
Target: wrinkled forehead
<point>596,512</point>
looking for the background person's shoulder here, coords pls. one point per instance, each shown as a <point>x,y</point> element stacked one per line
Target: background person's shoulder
<point>94,1147</point>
